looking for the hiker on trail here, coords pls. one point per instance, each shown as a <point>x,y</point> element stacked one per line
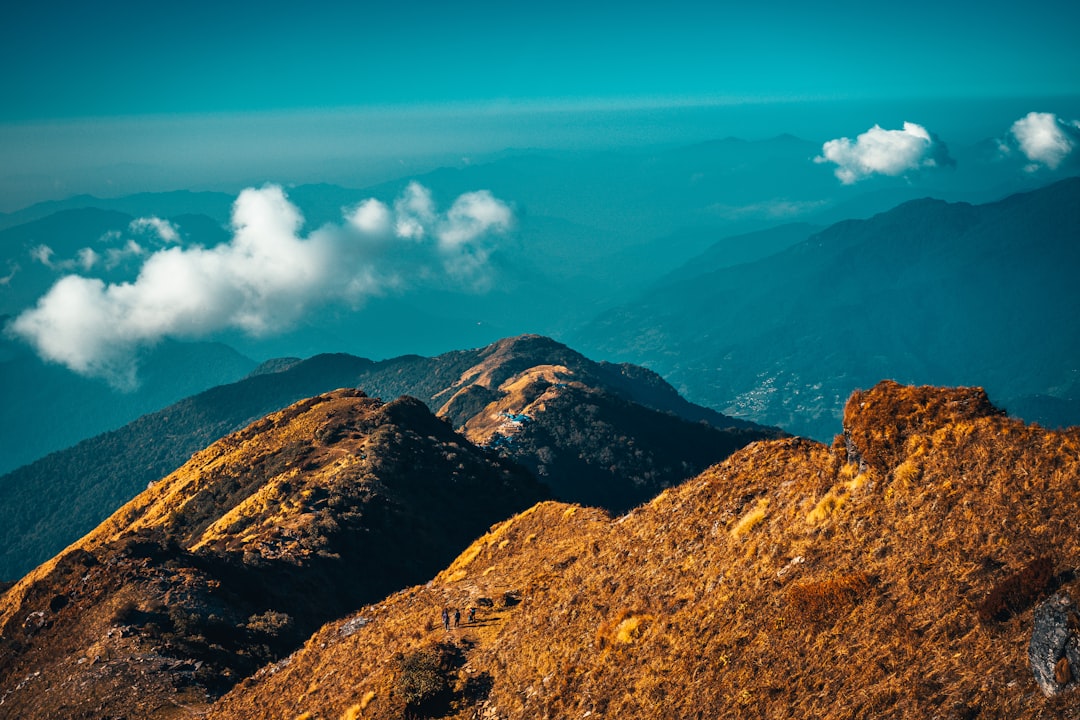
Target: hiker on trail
<point>446,619</point>
<point>472,614</point>
<point>457,618</point>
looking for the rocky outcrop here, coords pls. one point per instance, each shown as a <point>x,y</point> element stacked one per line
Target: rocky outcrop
<point>1054,651</point>
<point>878,421</point>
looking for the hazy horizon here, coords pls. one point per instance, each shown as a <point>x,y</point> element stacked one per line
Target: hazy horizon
<point>110,100</point>
<point>112,157</point>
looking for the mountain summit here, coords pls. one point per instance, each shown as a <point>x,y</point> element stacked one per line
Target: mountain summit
<point>598,433</point>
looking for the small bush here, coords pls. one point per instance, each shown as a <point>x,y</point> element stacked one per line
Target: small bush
<point>270,623</point>
<point>1018,591</point>
<point>820,600</point>
<point>426,678</point>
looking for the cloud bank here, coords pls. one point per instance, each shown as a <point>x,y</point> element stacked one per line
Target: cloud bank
<point>264,279</point>
<point>884,152</point>
<point>1044,139</point>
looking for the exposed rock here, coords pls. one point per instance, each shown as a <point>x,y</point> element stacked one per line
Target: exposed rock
<point>878,421</point>
<point>1055,646</point>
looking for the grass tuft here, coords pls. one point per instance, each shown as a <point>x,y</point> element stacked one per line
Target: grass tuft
<point>822,600</point>
<point>751,519</point>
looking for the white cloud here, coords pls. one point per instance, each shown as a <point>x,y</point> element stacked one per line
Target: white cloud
<point>415,211</point>
<point>885,152</point>
<point>87,259</point>
<point>370,217</point>
<point>1044,139</point>
<point>13,269</point>
<point>42,254</point>
<point>162,228</point>
<point>263,280</point>
<point>473,215</point>
<point>115,256</point>
<point>776,209</point>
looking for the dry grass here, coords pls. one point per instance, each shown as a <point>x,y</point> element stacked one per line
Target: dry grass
<point>245,551</point>
<point>666,613</point>
<point>1018,591</point>
<point>828,599</point>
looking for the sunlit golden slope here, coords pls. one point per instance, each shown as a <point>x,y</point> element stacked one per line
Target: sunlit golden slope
<point>874,578</point>
<point>235,558</point>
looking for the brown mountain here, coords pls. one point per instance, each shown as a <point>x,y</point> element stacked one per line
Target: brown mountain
<point>596,433</point>
<point>898,573</point>
<point>229,562</point>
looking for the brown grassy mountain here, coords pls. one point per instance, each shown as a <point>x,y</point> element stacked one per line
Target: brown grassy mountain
<point>48,504</point>
<point>597,433</point>
<point>892,574</point>
<point>232,560</point>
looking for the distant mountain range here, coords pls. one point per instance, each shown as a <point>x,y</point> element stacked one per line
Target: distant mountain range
<point>47,408</point>
<point>611,435</point>
<point>592,232</point>
<point>928,292</point>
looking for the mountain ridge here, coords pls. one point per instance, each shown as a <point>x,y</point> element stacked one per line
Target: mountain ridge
<point>876,575</point>
<point>231,560</point>
<point>87,482</point>
<point>794,579</point>
<point>927,292</point>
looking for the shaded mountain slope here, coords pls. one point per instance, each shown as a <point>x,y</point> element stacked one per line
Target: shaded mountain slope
<point>48,408</point>
<point>892,574</point>
<point>619,435</point>
<point>229,562</point>
<point>928,292</point>
<point>51,502</point>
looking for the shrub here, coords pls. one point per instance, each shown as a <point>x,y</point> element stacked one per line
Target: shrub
<point>1018,591</point>
<point>426,678</point>
<point>820,600</point>
<point>271,623</point>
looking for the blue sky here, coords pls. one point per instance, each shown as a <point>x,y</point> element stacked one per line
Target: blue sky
<point>113,97</point>
<point>67,60</point>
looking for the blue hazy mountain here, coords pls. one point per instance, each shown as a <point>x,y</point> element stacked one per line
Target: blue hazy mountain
<point>161,204</point>
<point>592,231</point>
<point>47,407</point>
<point>929,292</point>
